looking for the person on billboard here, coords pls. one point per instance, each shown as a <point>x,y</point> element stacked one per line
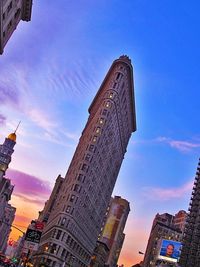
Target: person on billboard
<point>169,250</point>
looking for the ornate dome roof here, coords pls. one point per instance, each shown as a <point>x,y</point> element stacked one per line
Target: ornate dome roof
<point>12,137</point>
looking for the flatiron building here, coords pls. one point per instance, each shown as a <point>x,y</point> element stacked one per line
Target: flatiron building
<point>72,230</point>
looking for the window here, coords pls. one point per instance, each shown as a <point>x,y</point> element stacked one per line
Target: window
<point>17,13</point>
<point>72,198</point>
<point>101,121</point>
<point>63,221</point>
<point>68,239</point>
<point>111,95</point>
<point>9,24</point>
<point>68,209</point>
<point>108,104</point>
<point>98,129</point>
<point>53,248</point>
<point>94,139</point>
<point>114,85</point>
<point>76,188</point>
<point>58,234</point>
<point>84,167</point>
<point>91,148</point>
<point>119,75</point>
<point>81,177</point>
<point>104,112</point>
<point>63,253</point>
<point>9,7</point>
<point>88,157</point>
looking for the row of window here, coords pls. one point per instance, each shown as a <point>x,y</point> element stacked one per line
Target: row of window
<point>60,235</point>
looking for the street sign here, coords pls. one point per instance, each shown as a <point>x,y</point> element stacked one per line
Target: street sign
<point>30,246</point>
<point>39,225</point>
<point>33,235</point>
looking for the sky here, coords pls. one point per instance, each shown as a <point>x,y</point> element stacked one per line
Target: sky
<point>50,72</point>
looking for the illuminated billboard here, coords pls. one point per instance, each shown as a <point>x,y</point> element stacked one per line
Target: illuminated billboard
<point>112,220</point>
<point>170,250</point>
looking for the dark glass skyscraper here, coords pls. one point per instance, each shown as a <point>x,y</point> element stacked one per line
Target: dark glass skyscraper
<point>190,255</point>
<point>74,224</point>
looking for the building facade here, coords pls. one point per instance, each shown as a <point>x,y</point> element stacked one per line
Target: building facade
<point>11,12</point>
<point>112,234</point>
<point>7,212</point>
<point>50,204</point>
<point>190,255</point>
<point>6,151</point>
<point>100,255</point>
<point>165,226</point>
<point>73,226</point>
<point>5,226</point>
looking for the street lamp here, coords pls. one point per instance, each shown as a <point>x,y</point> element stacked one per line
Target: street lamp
<point>47,249</point>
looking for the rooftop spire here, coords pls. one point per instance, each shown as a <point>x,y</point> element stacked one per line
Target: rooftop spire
<point>13,136</point>
<point>17,127</point>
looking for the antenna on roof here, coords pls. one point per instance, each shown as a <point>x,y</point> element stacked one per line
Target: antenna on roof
<point>17,127</point>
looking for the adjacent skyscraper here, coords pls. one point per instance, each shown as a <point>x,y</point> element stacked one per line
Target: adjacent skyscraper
<point>190,255</point>
<point>73,226</point>
<point>11,12</point>
<point>6,151</point>
<point>112,234</point>
<point>50,204</point>
<point>7,212</point>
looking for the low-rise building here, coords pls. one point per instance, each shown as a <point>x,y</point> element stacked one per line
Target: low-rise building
<point>167,229</point>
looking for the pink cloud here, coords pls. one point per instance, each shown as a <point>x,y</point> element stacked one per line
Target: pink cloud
<point>2,119</point>
<point>36,200</point>
<point>28,185</point>
<point>183,146</point>
<point>168,193</point>
<point>23,220</point>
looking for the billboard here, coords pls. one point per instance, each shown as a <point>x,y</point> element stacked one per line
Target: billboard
<point>170,250</point>
<point>113,220</point>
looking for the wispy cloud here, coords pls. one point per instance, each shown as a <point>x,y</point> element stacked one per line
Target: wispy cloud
<point>35,200</point>
<point>70,81</point>
<point>41,119</point>
<point>183,146</point>
<point>2,119</point>
<point>163,194</point>
<point>8,94</point>
<point>29,186</point>
<point>56,139</point>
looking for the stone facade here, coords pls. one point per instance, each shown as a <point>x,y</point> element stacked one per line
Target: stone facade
<point>11,12</point>
<point>74,224</point>
<point>50,204</point>
<point>5,226</point>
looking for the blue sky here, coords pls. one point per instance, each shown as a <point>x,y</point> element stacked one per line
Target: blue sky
<point>52,68</point>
